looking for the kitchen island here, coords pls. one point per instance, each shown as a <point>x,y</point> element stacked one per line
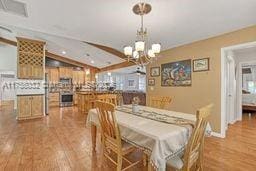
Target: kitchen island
<point>86,99</point>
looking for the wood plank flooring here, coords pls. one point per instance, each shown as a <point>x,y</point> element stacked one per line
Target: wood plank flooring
<point>61,141</point>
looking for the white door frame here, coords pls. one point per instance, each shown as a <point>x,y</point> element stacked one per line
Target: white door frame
<point>231,88</point>
<point>223,81</point>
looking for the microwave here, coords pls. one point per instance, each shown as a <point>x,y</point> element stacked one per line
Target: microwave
<point>66,81</point>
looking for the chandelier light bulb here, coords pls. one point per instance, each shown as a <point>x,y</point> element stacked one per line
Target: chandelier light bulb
<point>109,73</point>
<point>128,51</point>
<point>139,46</point>
<point>135,55</point>
<point>156,48</point>
<point>151,53</point>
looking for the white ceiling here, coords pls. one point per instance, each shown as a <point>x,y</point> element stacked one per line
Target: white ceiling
<point>247,55</point>
<point>74,49</point>
<point>112,23</point>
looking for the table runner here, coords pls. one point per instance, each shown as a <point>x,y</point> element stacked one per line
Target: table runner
<point>161,140</point>
<point>157,116</point>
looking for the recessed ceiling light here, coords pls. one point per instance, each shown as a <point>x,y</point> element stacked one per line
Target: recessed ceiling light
<point>63,52</point>
<point>92,61</point>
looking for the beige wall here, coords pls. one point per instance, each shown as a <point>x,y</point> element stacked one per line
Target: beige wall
<point>206,86</point>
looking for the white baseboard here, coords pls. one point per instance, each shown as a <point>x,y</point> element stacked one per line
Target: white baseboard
<point>216,134</point>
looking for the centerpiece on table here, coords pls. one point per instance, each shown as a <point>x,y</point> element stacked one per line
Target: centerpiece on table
<point>135,104</point>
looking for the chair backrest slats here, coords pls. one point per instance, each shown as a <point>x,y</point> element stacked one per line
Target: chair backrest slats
<point>110,98</point>
<point>108,123</point>
<point>194,150</point>
<point>160,102</point>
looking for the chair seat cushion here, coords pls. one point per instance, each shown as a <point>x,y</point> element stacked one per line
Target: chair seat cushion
<point>175,162</point>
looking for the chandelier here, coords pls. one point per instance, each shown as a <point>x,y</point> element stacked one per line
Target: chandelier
<point>141,54</point>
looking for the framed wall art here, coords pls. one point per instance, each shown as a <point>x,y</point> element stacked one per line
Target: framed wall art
<point>176,73</point>
<point>201,65</point>
<point>151,82</point>
<point>155,71</point>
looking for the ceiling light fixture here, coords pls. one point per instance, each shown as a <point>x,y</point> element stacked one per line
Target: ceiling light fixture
<point>141,54</point>
<point>92,61</point>
<point>96,76</point>
<point>63,52</point>
<point>87,72</point>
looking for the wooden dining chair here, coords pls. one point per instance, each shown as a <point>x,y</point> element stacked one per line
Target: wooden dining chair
<point>160,102</point>
<point>89,101</point>
<point>193,156</point>
<point>111,138</point>
<point>110,98</point>
<point>119,98</point>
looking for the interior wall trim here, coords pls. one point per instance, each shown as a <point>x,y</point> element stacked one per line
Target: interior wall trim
<point>218,135</point>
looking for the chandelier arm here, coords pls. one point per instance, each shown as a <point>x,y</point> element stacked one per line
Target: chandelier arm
<point>133,61</point>
<point>142,27</point>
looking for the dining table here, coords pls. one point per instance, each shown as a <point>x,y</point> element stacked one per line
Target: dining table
<point>161,134</point>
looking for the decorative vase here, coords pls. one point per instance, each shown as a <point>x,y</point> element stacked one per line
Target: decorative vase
<point>135,108</point>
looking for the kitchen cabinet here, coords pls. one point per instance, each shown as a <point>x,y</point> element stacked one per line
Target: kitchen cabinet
<point>78,77</point>
<point>54,99</point>
<point>31,55</point>
<point>30,72</point>
<point>24,106</point>
<point>75,99</point>
<point>66,72</point>
<point>37,105</point>
<point>37,72</point>
<point>30,106</point>
<point>53,75</point>
<point>24,71</point>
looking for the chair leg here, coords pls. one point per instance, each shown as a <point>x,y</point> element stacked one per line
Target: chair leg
<point>102,152</point>
<point>145,159</point>
<point>119,163</point>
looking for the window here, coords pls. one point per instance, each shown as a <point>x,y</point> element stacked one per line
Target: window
<point>131,83</point>
<point>122,81</point>
<point>251,87</point>
<point>142,83</point>
<point>119,82</point>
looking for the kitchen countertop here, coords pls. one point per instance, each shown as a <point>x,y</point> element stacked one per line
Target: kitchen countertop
<point>30,94</point>
<point>95,92</point>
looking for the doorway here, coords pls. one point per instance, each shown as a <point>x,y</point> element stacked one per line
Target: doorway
<point>7,91</point>
<point>231,82</point>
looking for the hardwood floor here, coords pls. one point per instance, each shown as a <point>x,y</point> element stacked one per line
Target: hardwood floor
<point>61,141</point>
<point>237,151</point>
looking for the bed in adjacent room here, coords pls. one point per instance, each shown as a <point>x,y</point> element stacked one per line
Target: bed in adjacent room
<point>249,103</point>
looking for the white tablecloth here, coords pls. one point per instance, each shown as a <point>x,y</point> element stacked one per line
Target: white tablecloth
<point>161,140</point>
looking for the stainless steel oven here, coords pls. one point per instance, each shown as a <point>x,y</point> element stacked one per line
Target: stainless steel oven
<point>66,99</point>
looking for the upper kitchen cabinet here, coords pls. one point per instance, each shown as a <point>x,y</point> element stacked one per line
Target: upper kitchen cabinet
<point>53,75</point>
<point>78,77</point>
<point>66,72</point>
<point>31,55</point>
